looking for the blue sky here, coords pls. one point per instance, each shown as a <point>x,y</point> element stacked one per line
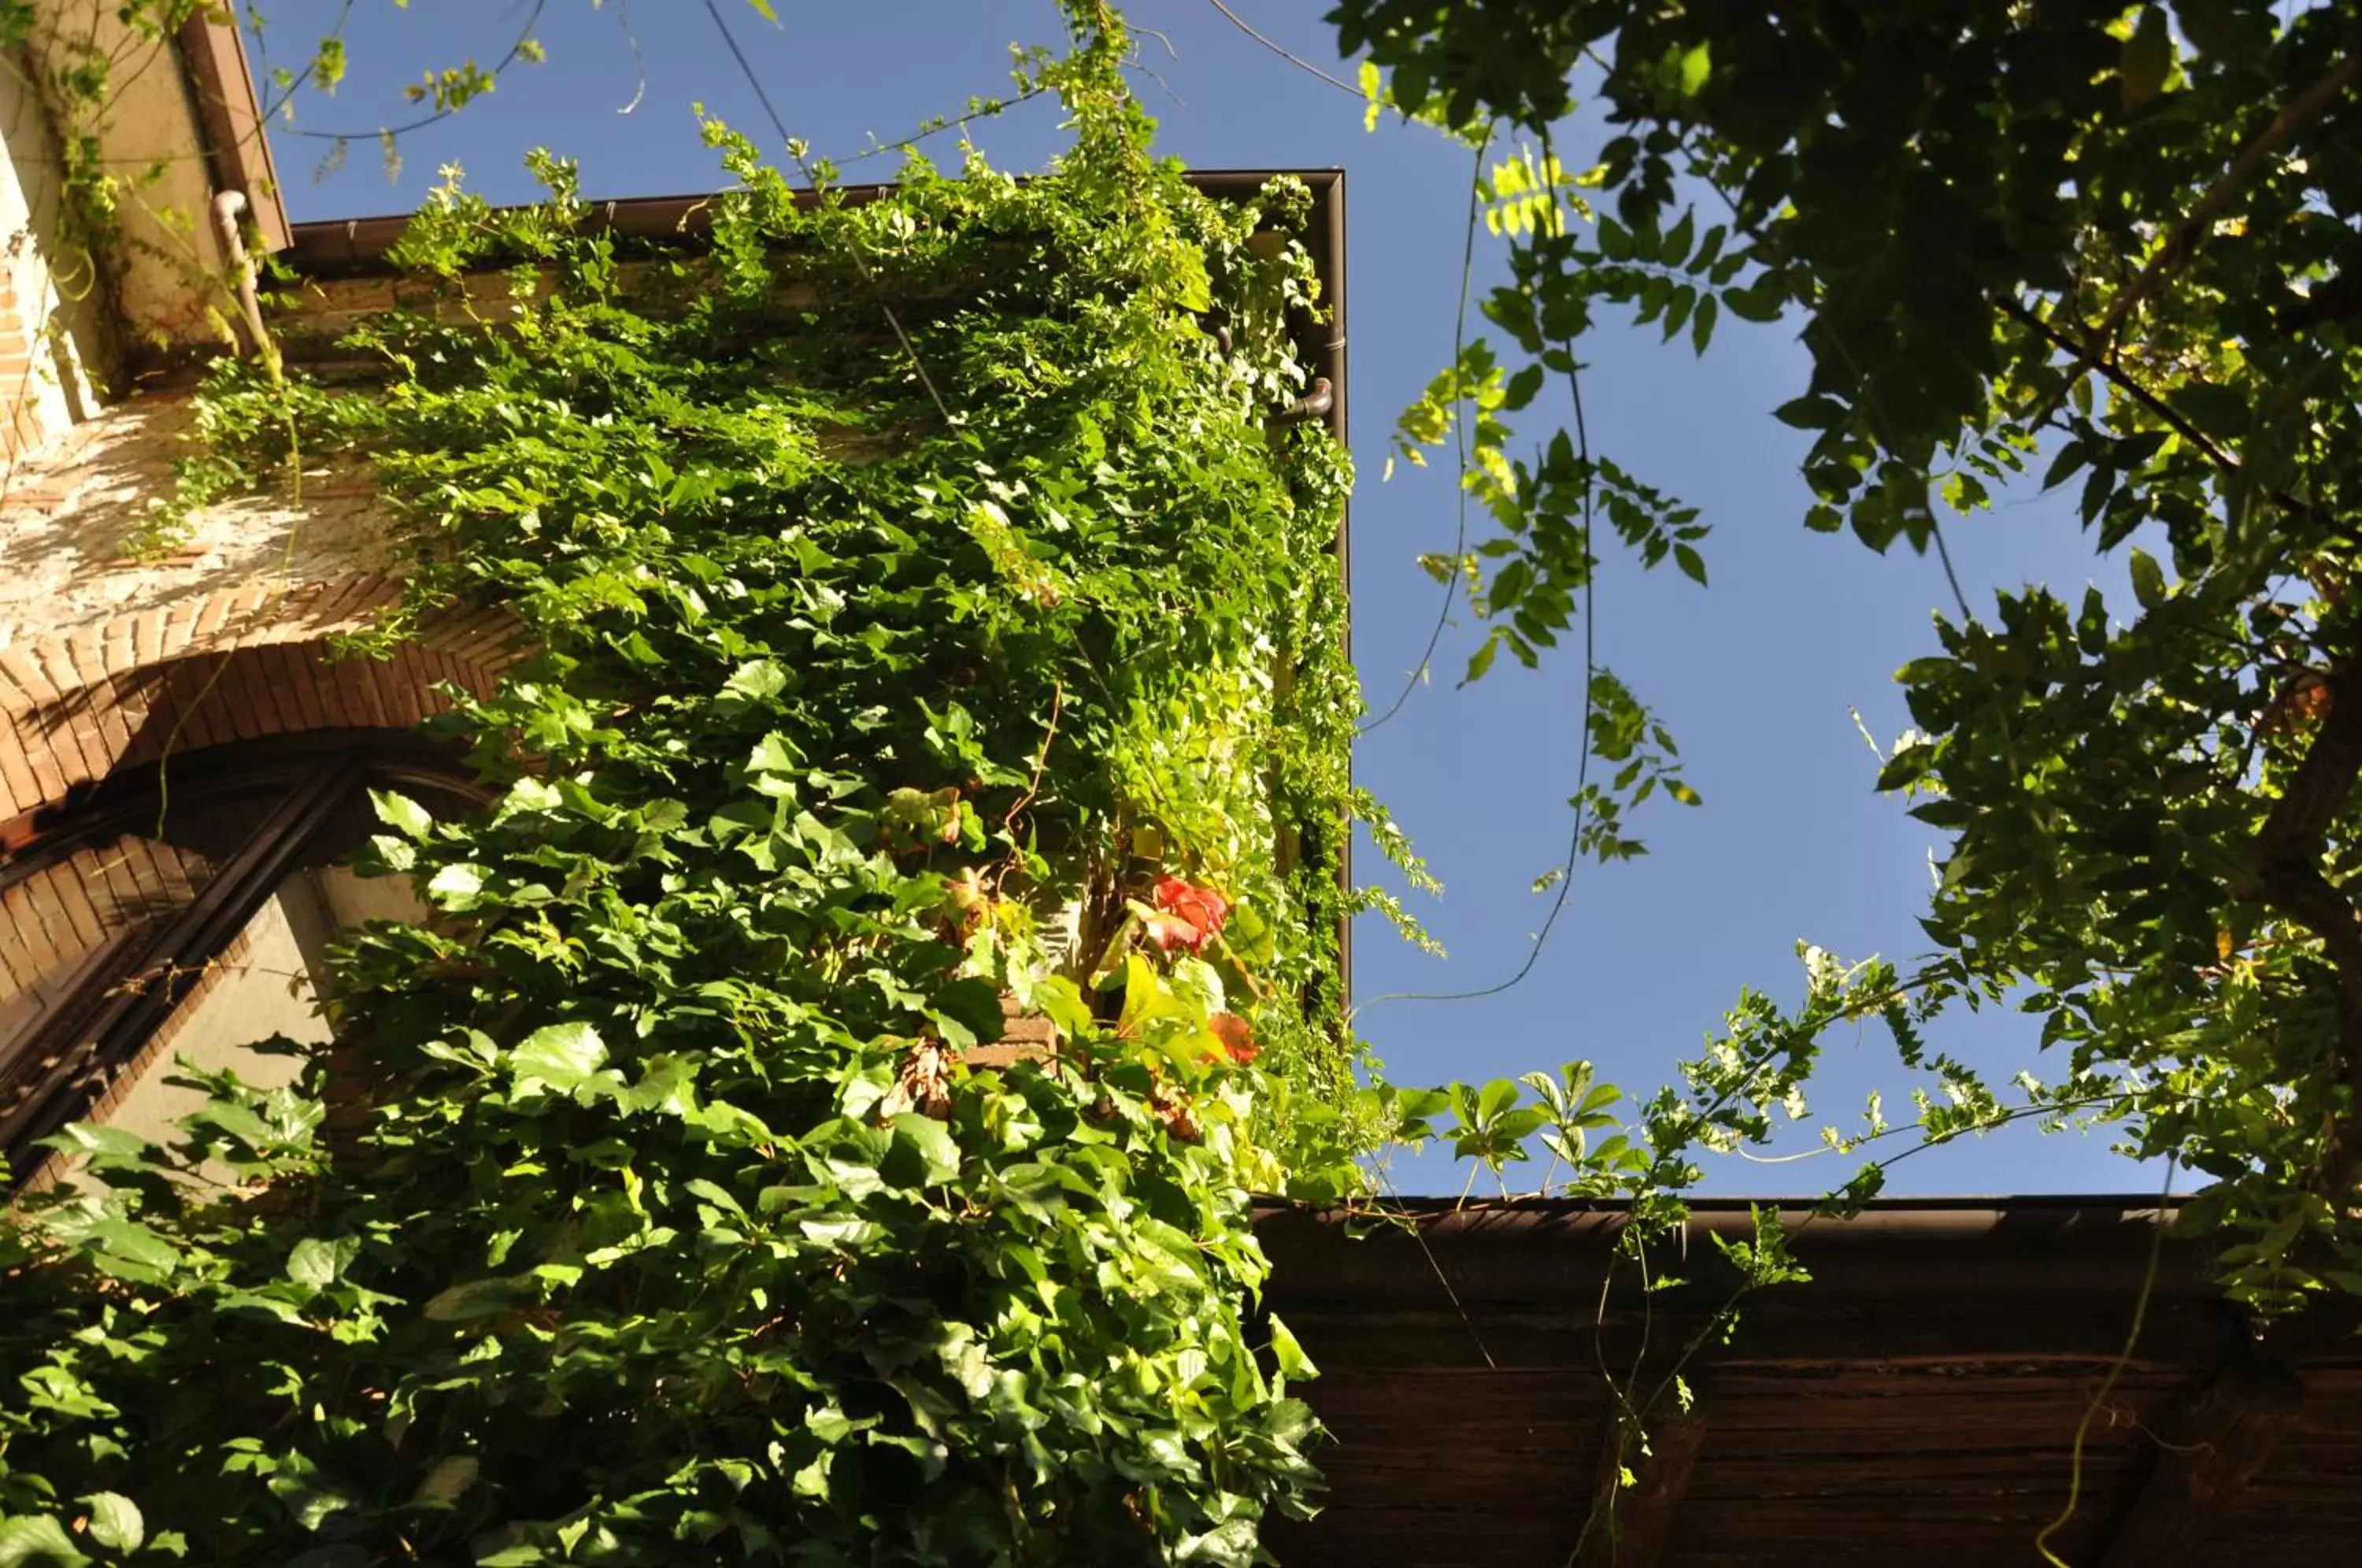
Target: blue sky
<point>1757,675</point>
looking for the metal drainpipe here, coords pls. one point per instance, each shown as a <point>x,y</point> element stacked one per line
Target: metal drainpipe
<point>227,205</point>
<point>1329,211</point>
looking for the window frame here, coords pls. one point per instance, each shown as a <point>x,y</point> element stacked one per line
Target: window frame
<point>133,982</point>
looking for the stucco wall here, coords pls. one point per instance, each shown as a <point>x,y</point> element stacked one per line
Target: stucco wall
<point>81,306</point>
<point>269,981</point>
<point>264,985</point>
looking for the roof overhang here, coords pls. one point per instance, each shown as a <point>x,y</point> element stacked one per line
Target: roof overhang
<point>1917,1399</point>
<point>180,124</point>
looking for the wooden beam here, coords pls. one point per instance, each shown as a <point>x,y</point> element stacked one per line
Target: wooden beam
<point>2208,1453</point>
<point>2007,1335</point>
<point>1630,1525</point>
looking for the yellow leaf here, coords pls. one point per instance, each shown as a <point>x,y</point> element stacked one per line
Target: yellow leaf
<point>1140,995</point>
<point>1696,65</point>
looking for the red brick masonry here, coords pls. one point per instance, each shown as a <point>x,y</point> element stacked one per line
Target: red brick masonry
<point>234,664</point>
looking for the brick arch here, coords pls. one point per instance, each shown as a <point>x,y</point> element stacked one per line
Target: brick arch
<point>214,668</point>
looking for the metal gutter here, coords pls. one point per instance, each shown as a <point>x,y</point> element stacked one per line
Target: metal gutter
<point>1328,216</point>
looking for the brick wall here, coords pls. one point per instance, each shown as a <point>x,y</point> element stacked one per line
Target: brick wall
<point>69,508</point>
<point>43,389</point>
<point>233,665</point>
<point>64,925</point>
<point>19,419</point>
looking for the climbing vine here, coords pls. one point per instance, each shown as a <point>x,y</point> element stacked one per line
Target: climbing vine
<point>879,695</point>
<point>899,674</point>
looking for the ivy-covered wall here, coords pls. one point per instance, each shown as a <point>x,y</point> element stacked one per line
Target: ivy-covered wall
<point>967,642</point>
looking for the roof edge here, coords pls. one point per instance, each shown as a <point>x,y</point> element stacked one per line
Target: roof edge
<point>1565,1249</point>
<point>358,245</point>
<point>236,147</point>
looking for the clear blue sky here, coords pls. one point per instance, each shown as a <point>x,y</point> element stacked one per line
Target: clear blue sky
<point>1756,675</point>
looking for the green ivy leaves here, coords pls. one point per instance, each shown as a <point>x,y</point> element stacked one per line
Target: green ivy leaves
<point>676,1226</point>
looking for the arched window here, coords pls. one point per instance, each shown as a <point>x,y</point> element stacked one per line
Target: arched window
<point>185,909</point>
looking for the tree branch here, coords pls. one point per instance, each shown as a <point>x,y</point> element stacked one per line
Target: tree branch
<point>2178,247</point>
<point>2115,375</point>
<point>2287,860</point>
<point>515,53</point>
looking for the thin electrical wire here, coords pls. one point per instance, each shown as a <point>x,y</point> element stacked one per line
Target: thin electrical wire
<point>2115,1371</point>
<point>515,53</point>
<point>1420,672</point>
<point>991,110</point>
<point>1300,63</point>
<point>1441,1278</point>
<point>1582,766</point>
<point>745,67</point>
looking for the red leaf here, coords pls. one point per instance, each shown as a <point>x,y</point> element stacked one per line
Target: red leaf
<point>1236,1038</point>
<point>1200,908</point>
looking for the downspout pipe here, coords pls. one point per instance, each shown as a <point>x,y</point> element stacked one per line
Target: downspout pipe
<point>1329,212</point>
<point>229,207</point>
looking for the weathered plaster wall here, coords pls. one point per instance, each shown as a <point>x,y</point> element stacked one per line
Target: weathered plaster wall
<point>263,986</point>
<point>108,662</point>
<point>67,508</point>
<point>165,276</point>
<point>81,305</point>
